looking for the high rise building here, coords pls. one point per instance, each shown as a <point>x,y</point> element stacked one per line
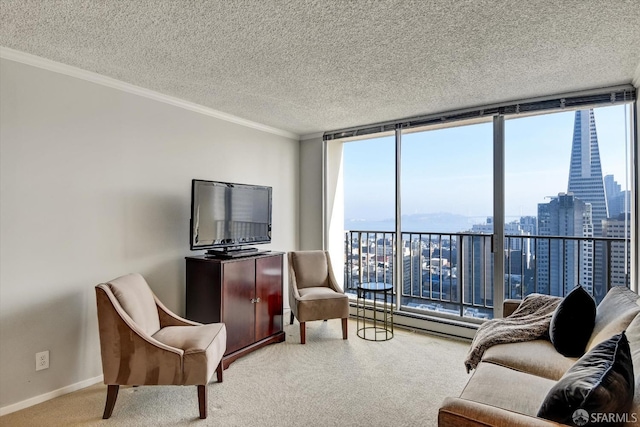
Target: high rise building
<point>617,200</point>
<point>586,183</point>
<point>585,172</point>
<point>618,252</point>
<point>611,190</point>
<point>529,224</point>
<point>525,226</point>
<point>412,265</point>
<point>564,263</point>
<point>476,277</point>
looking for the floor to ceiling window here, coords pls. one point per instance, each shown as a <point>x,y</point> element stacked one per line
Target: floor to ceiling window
<point>537,153</point>
<point>426,207</point>
<point>567,199</point>
<point>369,210</point>
<point>446,191</point>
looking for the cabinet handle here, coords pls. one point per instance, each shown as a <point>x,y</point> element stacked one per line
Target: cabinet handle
<point>255,300</point>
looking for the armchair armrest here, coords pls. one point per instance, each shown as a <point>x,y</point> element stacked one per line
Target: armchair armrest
<point>333,283</point>
<point>293,282</point>
<point>169,318</point>
<point>456,412</point>
<point>509,306</point>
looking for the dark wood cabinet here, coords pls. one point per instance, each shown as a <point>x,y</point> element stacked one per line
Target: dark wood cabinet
<point>244,293</point>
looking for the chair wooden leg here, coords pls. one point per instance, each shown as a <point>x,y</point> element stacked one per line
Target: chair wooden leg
<point>202,400</point>
<point>219,370</point>
<point>112,395</point>
<point>303,333</point>
<point>344,328</point>
<point>291,319</point>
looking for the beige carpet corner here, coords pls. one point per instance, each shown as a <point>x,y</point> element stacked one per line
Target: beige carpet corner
<point>327,382</point>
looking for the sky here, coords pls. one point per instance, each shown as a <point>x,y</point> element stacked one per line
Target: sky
<point>450,170</point>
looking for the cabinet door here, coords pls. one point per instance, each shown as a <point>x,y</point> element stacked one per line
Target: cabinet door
<point>238,308</point>
<point>203,291</point>
<point>269,290</point>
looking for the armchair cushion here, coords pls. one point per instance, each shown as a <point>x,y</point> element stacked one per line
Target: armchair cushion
<point>315,293</point>
<point>200,343</point>
<point>311,269</point>
<point>135,297</point>
<point>319,303</point>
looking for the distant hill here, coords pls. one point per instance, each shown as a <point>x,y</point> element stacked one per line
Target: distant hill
<point>441,222</point>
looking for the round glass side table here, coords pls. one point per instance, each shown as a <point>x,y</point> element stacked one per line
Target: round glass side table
<point>380,326</point>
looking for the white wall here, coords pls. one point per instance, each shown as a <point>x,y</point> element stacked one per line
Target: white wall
<point>311,201</point>
<point>95,183</point>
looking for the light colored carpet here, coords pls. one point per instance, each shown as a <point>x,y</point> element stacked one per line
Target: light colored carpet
<point>327,382</point>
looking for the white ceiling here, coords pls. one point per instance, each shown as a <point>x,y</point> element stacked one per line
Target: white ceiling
<point>320,65</point>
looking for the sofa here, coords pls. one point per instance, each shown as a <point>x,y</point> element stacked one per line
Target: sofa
<point>512,380</point>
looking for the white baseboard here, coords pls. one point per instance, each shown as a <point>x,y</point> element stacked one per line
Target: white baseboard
<point>48,396</point>
<point>429,324</point>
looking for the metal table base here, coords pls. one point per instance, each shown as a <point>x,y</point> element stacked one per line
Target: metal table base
<point>380,326</point>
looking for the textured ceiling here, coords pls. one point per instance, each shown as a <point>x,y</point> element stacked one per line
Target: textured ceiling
<point>320,65</point>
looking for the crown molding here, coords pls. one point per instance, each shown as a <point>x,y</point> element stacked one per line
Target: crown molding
<point>58,67</point>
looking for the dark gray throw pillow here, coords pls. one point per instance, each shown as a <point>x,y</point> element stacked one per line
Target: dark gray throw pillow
<point>572,323</point>
<point>600,382</point>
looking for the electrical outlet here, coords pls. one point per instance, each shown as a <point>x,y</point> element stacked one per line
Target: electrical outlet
<point>42,360</point>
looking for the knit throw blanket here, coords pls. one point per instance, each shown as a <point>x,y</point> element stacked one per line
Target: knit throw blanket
<point>528,322</point>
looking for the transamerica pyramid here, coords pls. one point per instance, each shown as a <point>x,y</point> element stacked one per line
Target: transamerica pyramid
<point>587,184</point>
<point>585,173</point>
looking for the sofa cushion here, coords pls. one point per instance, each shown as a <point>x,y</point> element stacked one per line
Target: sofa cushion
<point>572,323</point>
<point>456,412</point>
<point>507,389</point>
<point>601,381</point>
<point>613,315</point>
<point>537,357</point>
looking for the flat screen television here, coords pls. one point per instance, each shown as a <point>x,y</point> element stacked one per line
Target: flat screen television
<point>227,217</point>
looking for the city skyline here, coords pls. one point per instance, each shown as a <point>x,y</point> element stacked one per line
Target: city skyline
<point>551,251</point>
<point>450,170</point>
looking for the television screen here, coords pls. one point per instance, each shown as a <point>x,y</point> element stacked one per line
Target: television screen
<point>225,215</point>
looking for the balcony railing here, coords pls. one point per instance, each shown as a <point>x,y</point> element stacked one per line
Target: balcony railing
<point>452,273</point>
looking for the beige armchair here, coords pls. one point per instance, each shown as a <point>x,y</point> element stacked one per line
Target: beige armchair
<point>313,291</point>
<point>144,343</point>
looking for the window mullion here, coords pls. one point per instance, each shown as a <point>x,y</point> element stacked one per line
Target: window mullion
<point>397,250</point>
<point>498,214</point>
